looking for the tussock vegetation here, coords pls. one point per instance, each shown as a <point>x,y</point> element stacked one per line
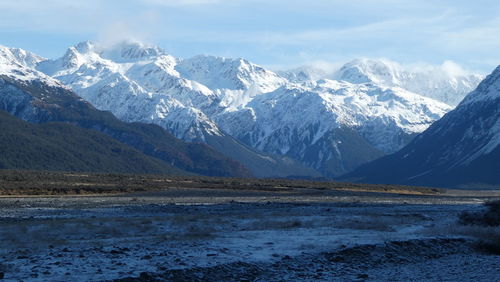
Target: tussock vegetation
<point>16,182</point>
<point>484,226</point>
<point>489,217</point>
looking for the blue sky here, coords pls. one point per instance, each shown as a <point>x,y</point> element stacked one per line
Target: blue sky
<point>279,34</point>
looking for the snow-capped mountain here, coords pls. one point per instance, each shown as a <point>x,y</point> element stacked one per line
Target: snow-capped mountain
<point>177,94</point>
<point>19,64</point>
<point>16,57</point>
<point>462,148</point>
<point>140,83</point>
<point>37,98</point>
<point>235,81</point>
<point>133,81</point>
<point>305,74</point>
<point>439,83</point>
<point>329,125</point>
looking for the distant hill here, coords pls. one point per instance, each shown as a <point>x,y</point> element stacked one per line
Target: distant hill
<point>460,150</point>
<point>39,101</point>
<point>65,147</point>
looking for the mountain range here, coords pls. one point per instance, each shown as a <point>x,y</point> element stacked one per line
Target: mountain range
<point>297,123</point>
<point>446,83</point>
<point>460,150</point>
<point>36,98</point>
<point>248,112</point>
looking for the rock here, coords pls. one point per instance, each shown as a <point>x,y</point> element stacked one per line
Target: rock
<point>144,276</point>
<point>363,276</point>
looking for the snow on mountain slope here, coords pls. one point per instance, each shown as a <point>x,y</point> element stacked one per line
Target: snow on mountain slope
<point>235,81</point>
<point>305,74</point>
<point>295,118</point>
<point>141,83</point>
<point>19,64</point>
<point>329,125</point>
<point>136,83</point>
<point>446,83</point>
<point>488,92</point>
<point>462,148</point>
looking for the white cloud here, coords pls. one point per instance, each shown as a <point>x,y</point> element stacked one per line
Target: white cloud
<point>453,68</point>
<point>327,69</point>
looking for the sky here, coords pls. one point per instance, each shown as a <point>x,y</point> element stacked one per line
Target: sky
<point>280,34</point>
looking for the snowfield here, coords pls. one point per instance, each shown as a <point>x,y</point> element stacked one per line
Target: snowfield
<point>224,237</point>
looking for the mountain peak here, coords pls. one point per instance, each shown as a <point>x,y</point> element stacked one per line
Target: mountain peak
<point>446,83</point>
<point>365,70</point>
<point>19,56</point>
<point>488,89</point>
<point>85,46</point>
<point>227,73</point>
<point>218,60</point>
<point>19,64</point>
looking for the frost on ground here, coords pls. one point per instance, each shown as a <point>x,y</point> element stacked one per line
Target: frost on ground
<point>240,241</point>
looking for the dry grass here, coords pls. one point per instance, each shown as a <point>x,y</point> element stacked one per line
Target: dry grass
<point>15,182</point>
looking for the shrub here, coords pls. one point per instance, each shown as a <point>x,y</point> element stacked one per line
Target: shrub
<point>489,217</point>
<point>484,226</point>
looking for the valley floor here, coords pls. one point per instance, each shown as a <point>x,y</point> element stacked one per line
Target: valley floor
<point>227,235</point>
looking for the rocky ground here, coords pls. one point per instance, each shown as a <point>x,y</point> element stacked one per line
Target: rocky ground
<point>223,236</point>
<point>412,260</point>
